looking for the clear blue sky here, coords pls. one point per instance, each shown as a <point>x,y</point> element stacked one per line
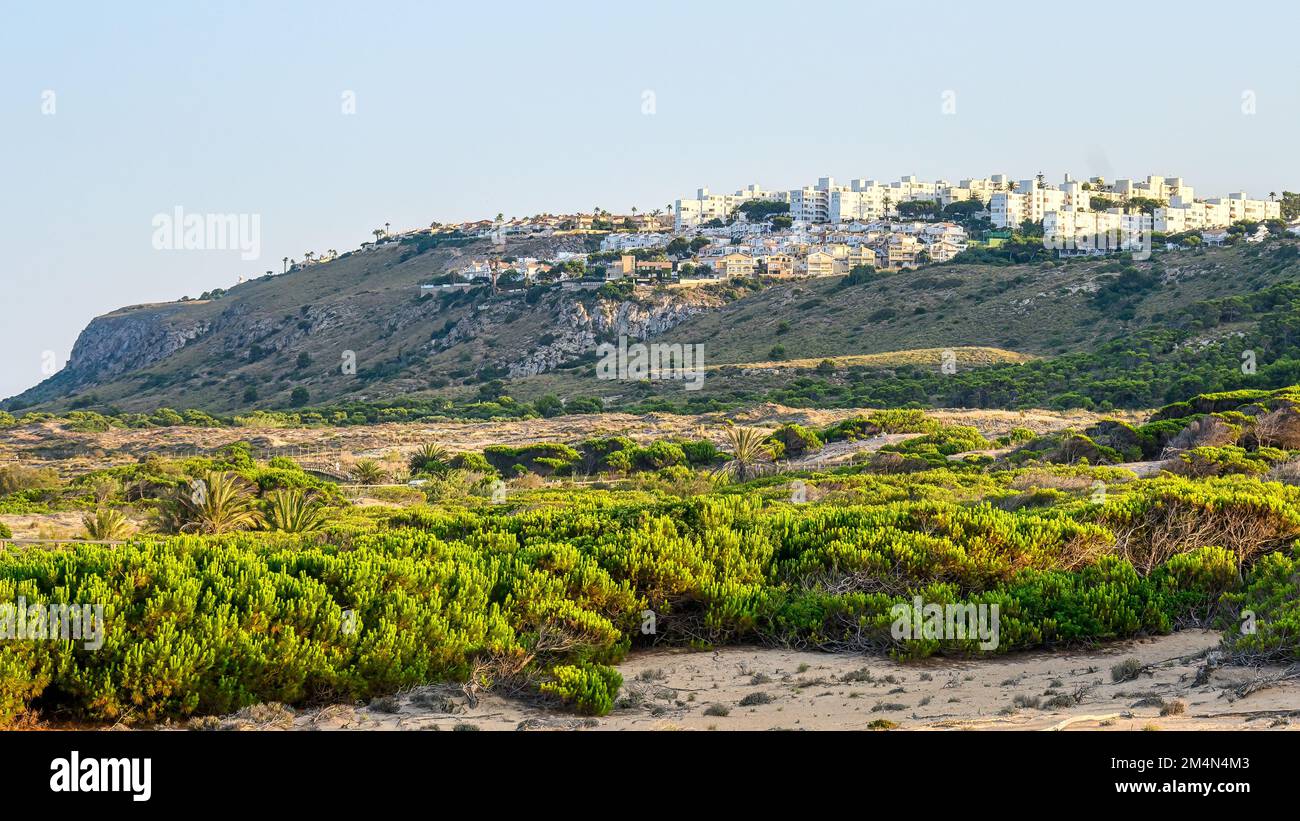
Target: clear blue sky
<point>464,110</point>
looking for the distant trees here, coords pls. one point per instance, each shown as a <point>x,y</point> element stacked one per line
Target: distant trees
<point>1146,205</point>
<point>759,210</point>
<point>918,209</point>
<point>962,210</point>
<point>1290,205</point>
<point>368,472</point>
<point>432,458</point>
<point>549,405</point>
<point>859,275</point>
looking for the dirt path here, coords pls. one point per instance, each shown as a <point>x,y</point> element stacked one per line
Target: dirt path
<point>761,689</point>
<point>839,453</point>
<point>1144,470</point>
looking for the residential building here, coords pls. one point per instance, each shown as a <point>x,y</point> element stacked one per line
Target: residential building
<point>819,264</point>
<point>705,206</point>
<point>628,266</point>
<point>735,264</point>
<point>622,241</point>
<point>899,252</point>
<point>779,265</point>
<point>1032,200</point>
<point>1074,232</point>
<point>1191,215</point>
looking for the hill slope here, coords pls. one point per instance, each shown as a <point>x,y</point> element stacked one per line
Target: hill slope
<point>262,340</point>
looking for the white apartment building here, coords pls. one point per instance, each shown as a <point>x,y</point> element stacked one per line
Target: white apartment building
<point>1164,189</point>
<point>862,200</point>
<point>980,189</point>
<point>705,206</point>
<point>1072,230</point>
<point>869,200</point>
<point>1031,200</point>
<point>1191,215</point>
<point>1241,208</point>
<point>812,203</point>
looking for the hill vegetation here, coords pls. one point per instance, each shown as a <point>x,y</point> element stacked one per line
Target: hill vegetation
<point>1090,334</point>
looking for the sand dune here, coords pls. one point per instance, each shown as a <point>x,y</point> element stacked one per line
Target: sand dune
<point>763,689</point>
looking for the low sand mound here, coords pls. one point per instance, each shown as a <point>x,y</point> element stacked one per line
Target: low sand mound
<point>747,688</point>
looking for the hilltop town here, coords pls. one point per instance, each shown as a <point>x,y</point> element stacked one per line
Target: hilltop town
<point>828,229</point>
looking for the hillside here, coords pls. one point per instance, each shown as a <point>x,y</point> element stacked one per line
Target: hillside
<point>263,340</point>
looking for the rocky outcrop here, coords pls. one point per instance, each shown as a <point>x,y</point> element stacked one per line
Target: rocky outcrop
<point>582,325</point>
<point>131,339</point>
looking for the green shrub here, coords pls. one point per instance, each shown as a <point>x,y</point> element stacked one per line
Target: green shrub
<point>589,688</point>
<point>795,440</point>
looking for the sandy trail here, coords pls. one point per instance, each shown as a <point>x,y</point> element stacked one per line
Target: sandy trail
<point>688,690</point>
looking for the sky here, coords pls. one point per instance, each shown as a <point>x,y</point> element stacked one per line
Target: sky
<point>325,120</point>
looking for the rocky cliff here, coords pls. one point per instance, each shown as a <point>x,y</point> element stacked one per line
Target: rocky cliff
<point>263,340</point>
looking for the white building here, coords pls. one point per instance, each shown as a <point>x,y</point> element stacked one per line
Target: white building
<point>1074,231</point>
<point>706,206</point>
<point>623,241</point>
<point>1032,201</point>
<point>1190,215</point>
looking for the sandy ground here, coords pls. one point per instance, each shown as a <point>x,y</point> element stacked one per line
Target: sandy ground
<point>763,689</point>
<point>65,525</point>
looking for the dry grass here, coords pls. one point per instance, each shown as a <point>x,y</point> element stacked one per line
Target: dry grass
<point>968,357</point>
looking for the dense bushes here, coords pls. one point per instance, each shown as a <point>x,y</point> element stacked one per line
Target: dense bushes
<point>546,593</point>
<point>1263,619</point>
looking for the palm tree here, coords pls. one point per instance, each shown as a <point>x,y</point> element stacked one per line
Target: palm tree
<point>107,525</point>
<point>292,511</point>
<point>378,232</point>
<point>748,453</point>
<point>368,472</point>
<point>1272,195</point>
<point>286,265</point>
<point>221,502</point>
<point>386,228</point>
<point>309,255</point>
<point>431,458</point>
